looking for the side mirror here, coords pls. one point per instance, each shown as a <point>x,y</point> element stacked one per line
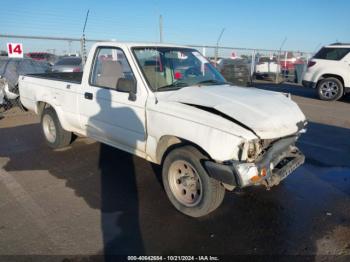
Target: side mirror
<point>127,85</point>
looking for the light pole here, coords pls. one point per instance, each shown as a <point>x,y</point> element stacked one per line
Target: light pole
<point>279,59</point>
<point>161,29</point>
<point>83,41</point>
<point>217,46</point>
<point>69,47</point>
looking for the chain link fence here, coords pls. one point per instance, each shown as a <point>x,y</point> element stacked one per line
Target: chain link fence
<point>271,65</point>
<point>241,66</point>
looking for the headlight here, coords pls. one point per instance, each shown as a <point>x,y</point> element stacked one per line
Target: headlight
<point>246,172</point>
<point>253,150</point>
<point>250,174</point>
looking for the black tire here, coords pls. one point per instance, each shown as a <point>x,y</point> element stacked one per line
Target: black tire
<point>257,76</point>
<point>330,96</point>
<point>62,138</point>
<point>213,192</point>
<point>18,103</point>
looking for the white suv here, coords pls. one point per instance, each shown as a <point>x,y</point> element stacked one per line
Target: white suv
<point>329,72</point>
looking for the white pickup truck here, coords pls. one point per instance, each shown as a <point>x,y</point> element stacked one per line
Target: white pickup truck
<point>169,105</point>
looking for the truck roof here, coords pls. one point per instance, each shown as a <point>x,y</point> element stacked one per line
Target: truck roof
<point>139,44</point>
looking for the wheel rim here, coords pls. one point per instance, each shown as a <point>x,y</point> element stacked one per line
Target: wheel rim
<point>185,183</point>
<point>329,89</point>
<point>49,128</point>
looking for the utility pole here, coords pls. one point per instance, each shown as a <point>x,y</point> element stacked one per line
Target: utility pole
<point>83,41</point>
<point>217,46</point>
<point>161,29</point>
<point>69,47</point>
<point>279,59</point>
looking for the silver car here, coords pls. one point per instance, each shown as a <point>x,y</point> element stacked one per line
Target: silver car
<point>10,69</point>
<point>68,64</point>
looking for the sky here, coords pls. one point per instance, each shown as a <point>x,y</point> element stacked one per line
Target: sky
<point>305,24</point>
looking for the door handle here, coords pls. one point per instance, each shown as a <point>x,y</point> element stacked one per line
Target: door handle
<point>88,95</point>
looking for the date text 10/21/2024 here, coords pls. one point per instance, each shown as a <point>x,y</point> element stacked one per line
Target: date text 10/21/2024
<point>173,258</point>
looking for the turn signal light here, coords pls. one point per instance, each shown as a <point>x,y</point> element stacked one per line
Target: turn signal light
<point>255,179</point>
<point>263,173</point>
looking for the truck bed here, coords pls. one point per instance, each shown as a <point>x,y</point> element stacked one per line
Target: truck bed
<point>73,77</point>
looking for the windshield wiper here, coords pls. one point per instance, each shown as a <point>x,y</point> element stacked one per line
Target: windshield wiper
<point>179,84</point>
<point>173,86</point>
<point>212,81</point>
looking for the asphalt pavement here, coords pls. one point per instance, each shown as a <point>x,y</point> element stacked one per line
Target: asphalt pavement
<point>90,199</point>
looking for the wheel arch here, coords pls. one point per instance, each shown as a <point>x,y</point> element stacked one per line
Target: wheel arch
<point>324,76</point>
<point>168,143</point>
<point>41,105</point>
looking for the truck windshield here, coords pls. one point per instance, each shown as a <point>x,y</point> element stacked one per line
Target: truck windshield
<point>169,68</point>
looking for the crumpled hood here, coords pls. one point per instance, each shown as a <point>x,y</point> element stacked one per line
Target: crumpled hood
<point>268,114</point>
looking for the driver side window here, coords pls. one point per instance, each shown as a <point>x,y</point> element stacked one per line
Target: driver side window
<point>110,65</point>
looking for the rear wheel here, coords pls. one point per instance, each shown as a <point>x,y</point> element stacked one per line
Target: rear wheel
<point>330,89</point>
<point>55,135</point>
<point>187,184</point>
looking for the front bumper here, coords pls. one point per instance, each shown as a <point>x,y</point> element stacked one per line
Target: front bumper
<point>280,160</point>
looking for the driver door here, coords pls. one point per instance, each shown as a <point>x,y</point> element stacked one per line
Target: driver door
<point>107,114</point>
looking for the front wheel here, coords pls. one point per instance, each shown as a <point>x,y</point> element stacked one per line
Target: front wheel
<point>187,184</point>
<point>330,89</point>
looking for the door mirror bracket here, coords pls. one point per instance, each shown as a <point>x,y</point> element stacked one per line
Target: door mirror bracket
<point>127,85</point>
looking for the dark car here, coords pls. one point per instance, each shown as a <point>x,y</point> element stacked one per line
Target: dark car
<point>68,64</point>
<point>235,71</point>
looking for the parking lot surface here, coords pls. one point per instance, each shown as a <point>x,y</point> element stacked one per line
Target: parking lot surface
<point>92,199</point>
